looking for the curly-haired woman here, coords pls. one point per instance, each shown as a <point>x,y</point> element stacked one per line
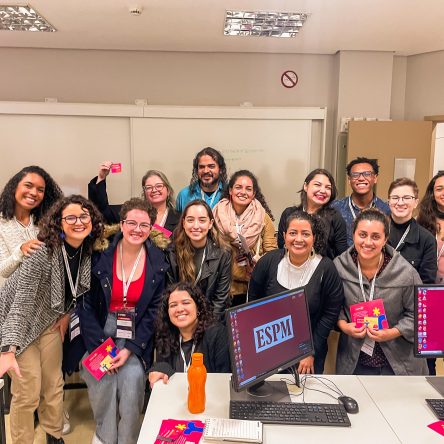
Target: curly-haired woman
<point>185,325</point>
<point>43,291</point>
<point>301,264</point>
<point>244,217</point>
<point>200,255</point>
<point>26,197</point>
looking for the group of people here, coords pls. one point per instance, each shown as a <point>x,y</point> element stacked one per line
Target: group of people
<point>159,273</point>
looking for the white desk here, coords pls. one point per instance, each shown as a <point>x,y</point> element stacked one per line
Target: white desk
<point>401,400</point>
<point>368,426</point>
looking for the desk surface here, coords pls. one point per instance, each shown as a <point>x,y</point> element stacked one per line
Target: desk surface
<point>368,426</point>
<point>401,399</point>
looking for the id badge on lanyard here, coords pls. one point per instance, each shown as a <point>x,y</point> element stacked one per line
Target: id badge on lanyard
<point>126,323</point>
<point>74,325</point>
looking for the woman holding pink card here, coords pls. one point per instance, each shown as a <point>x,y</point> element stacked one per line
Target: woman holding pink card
<point>371,271</point>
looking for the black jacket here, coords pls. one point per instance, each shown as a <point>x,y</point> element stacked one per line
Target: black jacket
<point>336,230</point>
<point>419,250</point>
<point>215,279</point>
<point>324,292</point>
<point>94,308</point>
<point>214,346</point>
<point>98,195</point>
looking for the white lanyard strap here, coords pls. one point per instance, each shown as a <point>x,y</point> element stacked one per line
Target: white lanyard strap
<point>372,286</point>
<point>164,218</point>
<point>68,272</point>
<point>350,205</point>
<point>185,365</point>
<point>401,241</point>
<point>126,283</point>
<point>201,264</point>
<point>213,196</point>
<point>239,226</point>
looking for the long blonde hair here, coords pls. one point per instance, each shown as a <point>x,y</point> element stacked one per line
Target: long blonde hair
<point>184,248</point>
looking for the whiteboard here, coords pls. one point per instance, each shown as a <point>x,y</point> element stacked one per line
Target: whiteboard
<point>69,148</point>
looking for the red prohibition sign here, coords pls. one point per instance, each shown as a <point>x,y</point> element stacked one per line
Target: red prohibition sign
<point>289,79</point>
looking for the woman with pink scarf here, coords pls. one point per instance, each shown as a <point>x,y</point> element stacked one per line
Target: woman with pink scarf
<point>243,216</point>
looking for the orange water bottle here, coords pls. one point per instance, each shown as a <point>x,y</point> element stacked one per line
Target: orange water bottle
<point>197,376</point>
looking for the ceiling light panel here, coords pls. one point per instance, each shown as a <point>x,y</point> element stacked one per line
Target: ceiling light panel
<point>23,18</point>
<point>264,24</point>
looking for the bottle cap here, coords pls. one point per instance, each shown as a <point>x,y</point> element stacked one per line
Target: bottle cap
<point>197,358</point>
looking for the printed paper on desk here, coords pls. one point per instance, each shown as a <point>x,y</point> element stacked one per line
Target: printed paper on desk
<point>116,168</point>
<point>180,431</point>
<point>98,362</point>
<point>437,426</point>
<point>371,314</point>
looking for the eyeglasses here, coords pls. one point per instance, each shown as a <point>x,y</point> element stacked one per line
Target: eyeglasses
<point>406,199</point>
<point>364,174</point>
<point>72,220</point>
<point>151,188</point>
<point>132,225</point>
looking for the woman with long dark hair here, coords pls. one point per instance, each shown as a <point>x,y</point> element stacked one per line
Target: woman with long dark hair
<point>302,263</point>
<point>200,255</point>
<point>185,324</point>
<point>243,217</point>
<point>317,194</point>
<point>25,199</point>
<point>48,285</point>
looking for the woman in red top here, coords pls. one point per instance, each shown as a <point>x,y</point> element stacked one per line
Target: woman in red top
<point>127,282</point>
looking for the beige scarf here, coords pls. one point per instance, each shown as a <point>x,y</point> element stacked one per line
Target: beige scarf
<point>251,222</point>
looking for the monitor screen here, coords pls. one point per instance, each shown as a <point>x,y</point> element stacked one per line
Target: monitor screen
<point>267,336</point>
<point>428,318</point>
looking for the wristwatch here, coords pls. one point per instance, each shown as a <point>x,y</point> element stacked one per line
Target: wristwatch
<point>8,349</point>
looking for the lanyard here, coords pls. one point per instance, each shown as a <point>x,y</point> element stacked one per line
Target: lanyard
<point>164,218</point>
<point>212,197</point>
<point>350,205</point>
<point>185,365</point>
<point>238,226</point>
<point>372,286</point>
<point>200,268</point>
<point>126,283</point>
<point>304,268</point>
<point>68,272</point>
<point>401,241</point>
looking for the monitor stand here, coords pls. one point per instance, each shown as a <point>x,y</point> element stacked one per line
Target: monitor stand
<point>275,391</point>
<point>437,382</point>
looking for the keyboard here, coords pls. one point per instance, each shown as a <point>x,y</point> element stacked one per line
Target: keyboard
<point>290,413</point>
<point>437,406</point>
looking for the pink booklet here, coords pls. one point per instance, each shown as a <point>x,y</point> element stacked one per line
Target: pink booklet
<point>180,431</point>
<point>98,361</point>
<point>371,313</point>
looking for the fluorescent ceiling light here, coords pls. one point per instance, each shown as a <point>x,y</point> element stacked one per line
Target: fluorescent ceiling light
<point>23,18</point>
<point>264,24</point>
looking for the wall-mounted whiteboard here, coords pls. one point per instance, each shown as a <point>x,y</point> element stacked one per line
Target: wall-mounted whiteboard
<point>279,145</point>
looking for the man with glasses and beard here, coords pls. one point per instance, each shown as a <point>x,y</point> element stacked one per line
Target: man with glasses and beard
<point>362,176</point>
<point>208,180</point>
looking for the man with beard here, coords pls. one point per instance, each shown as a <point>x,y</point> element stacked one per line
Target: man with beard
<point>362,176</point>
<point>208,180</point>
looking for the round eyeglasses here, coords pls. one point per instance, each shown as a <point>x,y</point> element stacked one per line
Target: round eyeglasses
<point>156,187</point>
<point>406,199</point>
<point>72,220</point>
<point>132,225</point>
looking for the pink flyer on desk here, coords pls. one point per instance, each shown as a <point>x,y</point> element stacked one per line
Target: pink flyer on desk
<point>180,431</point>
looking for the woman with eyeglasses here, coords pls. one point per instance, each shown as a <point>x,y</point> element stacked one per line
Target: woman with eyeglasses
<point>201,256</point>
<point>411,240</point>
<point>128,279</point>
<point>156,189</point>
<point>46,289</point>
<point>317,194</point>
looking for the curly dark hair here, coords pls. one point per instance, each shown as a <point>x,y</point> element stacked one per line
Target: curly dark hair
<point>136,203</point>
<point>50,227</point>
<point>257,190</point>
<point>373,214</point>
<point>309,178</point>
<point>167,334</point>
<point>358,160</point>
<point>317,228</point>
<point>7,197</point>
<point>428,209</point>
<point>217,157</point>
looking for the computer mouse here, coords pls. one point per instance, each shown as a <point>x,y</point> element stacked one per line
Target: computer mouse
<point>350,405</point>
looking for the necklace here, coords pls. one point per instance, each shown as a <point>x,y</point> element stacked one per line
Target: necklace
<point>74,255</point>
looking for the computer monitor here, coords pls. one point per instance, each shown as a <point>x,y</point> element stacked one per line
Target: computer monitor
<point>267,336</point>
<point>428,319</point>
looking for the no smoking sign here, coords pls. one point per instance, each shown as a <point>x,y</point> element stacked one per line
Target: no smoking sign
<point>289,79</point>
